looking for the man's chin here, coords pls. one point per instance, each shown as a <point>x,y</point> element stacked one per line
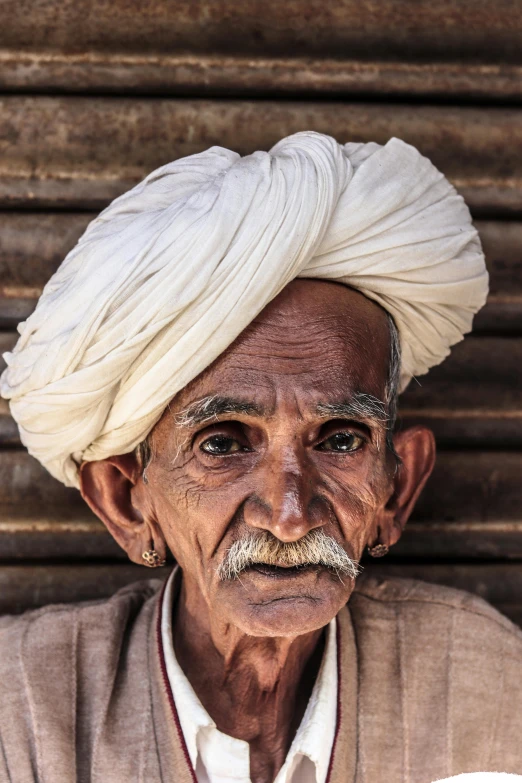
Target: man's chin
<point>271,601</point>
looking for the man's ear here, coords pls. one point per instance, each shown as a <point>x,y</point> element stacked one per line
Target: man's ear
<point>114,491</point>
<point>416,450</point>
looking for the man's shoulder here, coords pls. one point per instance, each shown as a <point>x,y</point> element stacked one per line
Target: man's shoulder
<point>448,663</point>
<point>62,671</point>
<point>55,629</point>
<point>436,604</point>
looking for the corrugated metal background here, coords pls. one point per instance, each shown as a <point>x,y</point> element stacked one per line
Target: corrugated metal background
<point>96,94</point>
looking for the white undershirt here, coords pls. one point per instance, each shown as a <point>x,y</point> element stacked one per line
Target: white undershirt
<point>218,758</point>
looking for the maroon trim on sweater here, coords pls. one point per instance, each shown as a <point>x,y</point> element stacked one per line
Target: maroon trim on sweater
<point>166,682</point>
<point>338,719</point>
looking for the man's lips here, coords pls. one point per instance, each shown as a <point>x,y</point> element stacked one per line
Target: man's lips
<point>282,572</point>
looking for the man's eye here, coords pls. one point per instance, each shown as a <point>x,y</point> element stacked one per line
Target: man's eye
<point>342,442</point>
<point>220,444</point>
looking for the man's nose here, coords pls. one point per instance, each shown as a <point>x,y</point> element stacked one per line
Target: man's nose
<point>284,503</point>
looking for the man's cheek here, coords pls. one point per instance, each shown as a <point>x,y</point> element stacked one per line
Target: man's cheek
<point>200,517</point>
<point>356,509</point>
<point>354,492</point>
<point>183,491</point>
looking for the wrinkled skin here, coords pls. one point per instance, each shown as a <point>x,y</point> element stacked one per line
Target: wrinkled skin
<point>260,638</point>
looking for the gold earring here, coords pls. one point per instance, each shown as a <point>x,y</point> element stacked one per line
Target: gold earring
<point>378,550</point>
<point>153,558</point>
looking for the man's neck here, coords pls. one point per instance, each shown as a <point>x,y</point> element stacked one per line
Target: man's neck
<point>254,688</point>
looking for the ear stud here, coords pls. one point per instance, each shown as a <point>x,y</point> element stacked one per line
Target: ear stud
<point>153,558</point>
<point>378,550</point>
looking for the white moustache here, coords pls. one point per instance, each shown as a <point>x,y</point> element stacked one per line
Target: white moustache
<point>315,548</point>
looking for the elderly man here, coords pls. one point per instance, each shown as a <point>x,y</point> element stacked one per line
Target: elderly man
<point>216,366</point>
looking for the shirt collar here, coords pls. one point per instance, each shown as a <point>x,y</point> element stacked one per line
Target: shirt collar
<point>315,735</point>
<point>316,732</point>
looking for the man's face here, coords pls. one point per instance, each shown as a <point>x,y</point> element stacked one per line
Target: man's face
<point>277,437</point>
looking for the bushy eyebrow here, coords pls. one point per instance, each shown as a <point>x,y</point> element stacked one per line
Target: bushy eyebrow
<point>359,407</point>
<point>210,408</point>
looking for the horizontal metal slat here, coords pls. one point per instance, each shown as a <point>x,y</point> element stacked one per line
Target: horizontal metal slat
<point>471,29</point>
<point>472,48</point>
<point>26,587</point>
<point>33,244</point>
<point>208,75</point>
<point>474,398</point>
<point>471,507</point>
<point>81,538</point>
<point>82,152</point>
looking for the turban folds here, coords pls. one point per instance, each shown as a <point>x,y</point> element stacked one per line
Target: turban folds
<point>166,277</point>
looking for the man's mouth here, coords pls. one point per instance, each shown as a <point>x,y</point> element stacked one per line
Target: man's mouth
<point>282,572</point>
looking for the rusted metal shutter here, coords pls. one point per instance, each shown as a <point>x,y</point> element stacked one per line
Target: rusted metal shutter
<point>96,94</point>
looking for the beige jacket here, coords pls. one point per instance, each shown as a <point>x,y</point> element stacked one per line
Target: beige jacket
<point>430,686</point>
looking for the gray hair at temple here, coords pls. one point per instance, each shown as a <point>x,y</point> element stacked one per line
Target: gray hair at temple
<point>392,381</point>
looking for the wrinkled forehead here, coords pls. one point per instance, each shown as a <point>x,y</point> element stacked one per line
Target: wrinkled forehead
<point>316,340</point>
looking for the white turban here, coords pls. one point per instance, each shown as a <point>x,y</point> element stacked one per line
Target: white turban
<point>166,277</point>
